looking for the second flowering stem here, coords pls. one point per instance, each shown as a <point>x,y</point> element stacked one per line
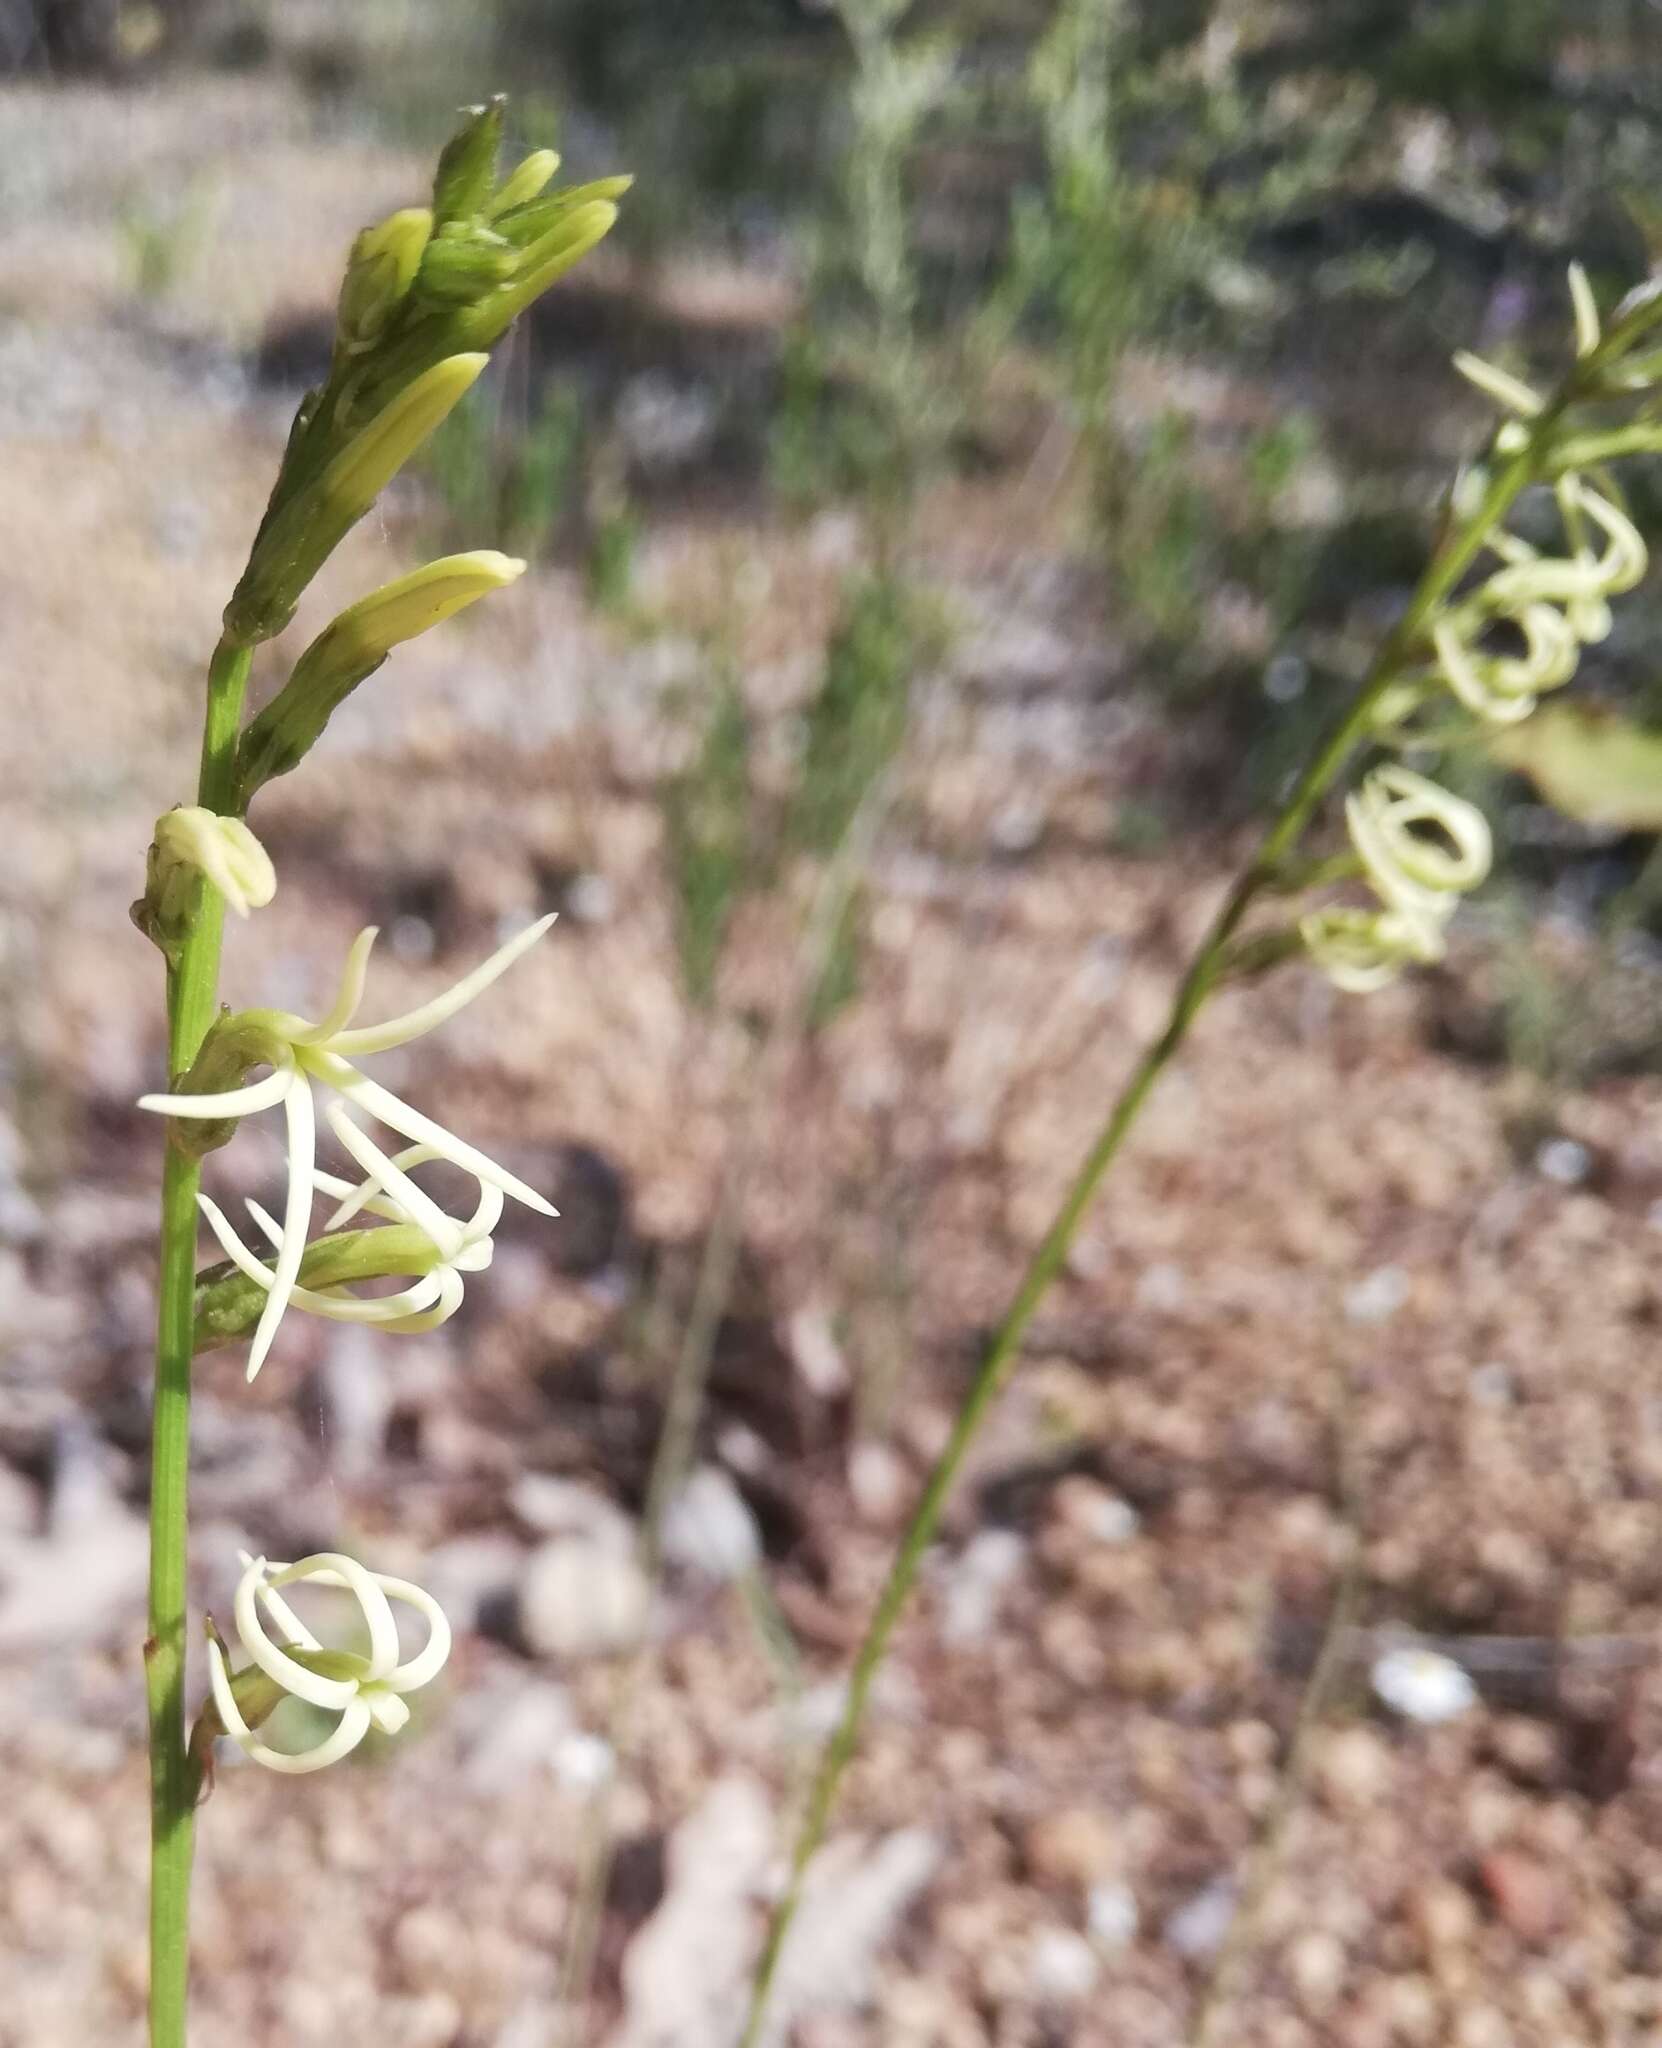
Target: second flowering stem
<point>1206,971</point>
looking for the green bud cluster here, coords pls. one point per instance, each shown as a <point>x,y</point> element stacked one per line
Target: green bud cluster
<point>427,292</point>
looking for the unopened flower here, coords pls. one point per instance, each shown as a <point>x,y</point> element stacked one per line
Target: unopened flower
<point>301,533</point>
<point>365,1690</point>
<point>1422,1685</point>
<point>303,1056</point>
<point>523,182</point>
<point>379,273</point>
<point>353,646</point>
<point>191,841</point>
<point>1498,384</point>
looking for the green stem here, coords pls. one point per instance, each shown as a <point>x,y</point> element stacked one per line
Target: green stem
<point>1199,982</point>
<point>192,985</point>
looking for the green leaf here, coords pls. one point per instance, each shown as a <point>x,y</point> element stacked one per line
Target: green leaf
<point>1590,764</point>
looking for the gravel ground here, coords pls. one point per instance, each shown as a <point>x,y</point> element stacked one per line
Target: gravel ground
<point>1335,1304</point>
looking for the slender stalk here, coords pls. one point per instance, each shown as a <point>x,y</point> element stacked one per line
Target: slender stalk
<point>192,985</point>
<point>1205,971</point>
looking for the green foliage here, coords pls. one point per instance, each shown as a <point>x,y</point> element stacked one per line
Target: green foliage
<point>708,837</point>
<point>613,547</point>
<point>1590,764</point>
<point>858,718</point>
<point>838,982</point>
<point>163,242</point>
<point>523,483</point>
<point>830,437</point>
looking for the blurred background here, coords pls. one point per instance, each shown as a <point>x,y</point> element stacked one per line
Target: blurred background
<point>982,458</point>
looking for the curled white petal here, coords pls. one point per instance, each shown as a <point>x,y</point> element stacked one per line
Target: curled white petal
<point>431,1658</point>
<point>335,1568</point>
<point>1473,682</point>
<point>317,1691</point>
<point>1407,868</point>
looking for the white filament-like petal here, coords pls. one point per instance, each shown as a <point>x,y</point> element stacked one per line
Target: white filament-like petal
<point>349,994</point>
<point>1347,946</point>
<point>295,1631</point>
<point>335,1568</point>
<point>332,1694</point>
<point>398,1116</point>
<point>247,1101</point>
<point>445,1300</point>
<point>415,1023</point>
<point>297,1210</point>
<point>387,1711</point>
<point>430,1660</point>
<point>420,1207</point>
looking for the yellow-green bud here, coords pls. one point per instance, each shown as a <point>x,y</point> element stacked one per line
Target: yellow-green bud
<point>524,224</point>
<point>352,647</point>
<point>466,176</point>
<point>294,544</point>
<point>379,272</point>
<point>524,182</point>
<point>542,263</point>
<point>192,843</point>
<point>463,263</point>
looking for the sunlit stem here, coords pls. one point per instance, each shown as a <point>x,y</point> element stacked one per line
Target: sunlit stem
<point>192,984</point>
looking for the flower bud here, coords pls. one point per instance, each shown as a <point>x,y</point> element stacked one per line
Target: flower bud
<point>525,181</point>
<point>524,224</point>
<point>542,263</point>
<point>466,176</point>
<point>294,543</point>
<point>463,263</point>
<point>352,647</point>
<point>379,272</point>
<point>191,842</point>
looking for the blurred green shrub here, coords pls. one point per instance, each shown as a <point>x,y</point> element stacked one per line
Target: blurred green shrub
<point>709,838</point>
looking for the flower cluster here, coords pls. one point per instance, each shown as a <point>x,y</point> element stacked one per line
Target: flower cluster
<point>1496,648</point>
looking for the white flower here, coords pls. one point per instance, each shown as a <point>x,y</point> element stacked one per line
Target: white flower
<point>428,1301</point>
<point>371,1696</point>
<point>1417,878</point>
<point>1422,1685</point>
<point>305,1055</point>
